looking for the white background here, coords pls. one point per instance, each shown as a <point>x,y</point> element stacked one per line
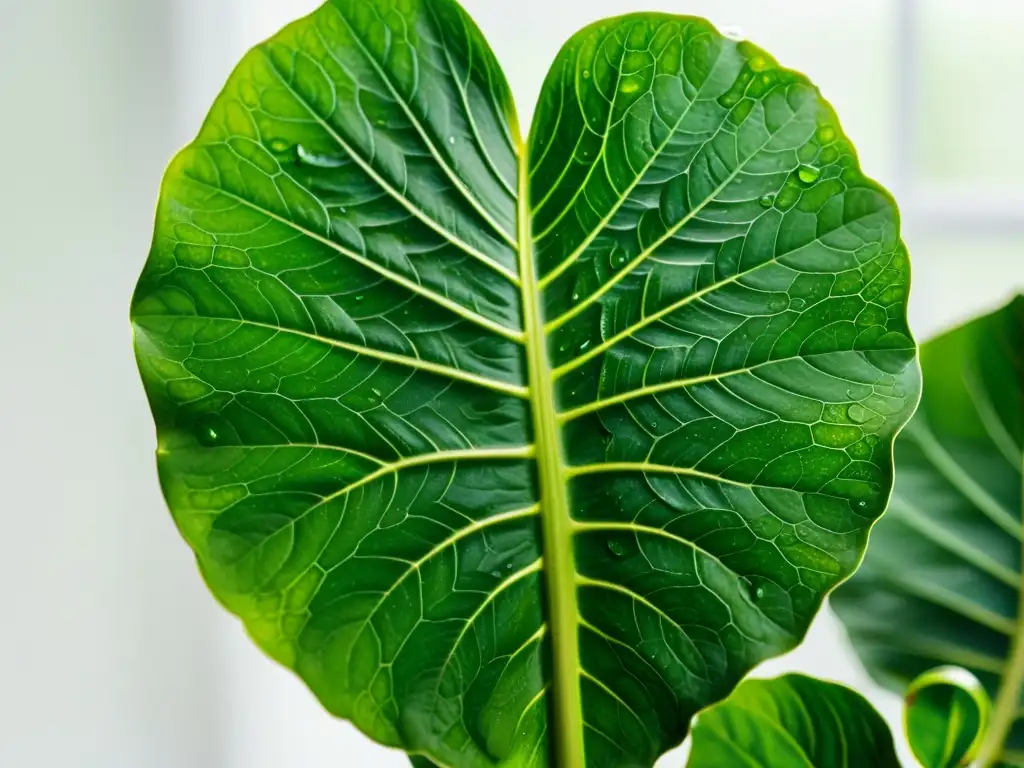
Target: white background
<point>112,655</point>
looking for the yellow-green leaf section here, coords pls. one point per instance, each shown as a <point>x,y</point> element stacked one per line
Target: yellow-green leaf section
<point>520,453</point>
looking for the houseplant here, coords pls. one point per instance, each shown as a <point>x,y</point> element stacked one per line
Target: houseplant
<point>522,450</point>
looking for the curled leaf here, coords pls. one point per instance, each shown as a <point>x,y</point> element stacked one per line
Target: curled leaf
<point>945,714</point>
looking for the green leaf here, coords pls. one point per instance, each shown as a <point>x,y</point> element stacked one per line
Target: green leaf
<point>792,722</point>
<point>497,445</point>
<point>945,716</point>
<point>941,583</point>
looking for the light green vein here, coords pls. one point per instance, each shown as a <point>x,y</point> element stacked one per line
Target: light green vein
<point>596,231</point>
<point>990,420</point>
<point>641,466</point>
<point>471,119</point>
<point>388,357</point>
<point>394,277</point>
<point>652,389</point>
<point>459,184</point>
<point>959,479</point>
<point>908,514</point>
<point>669,233</point>
<point>587,581</point>
<point>932,650</point>
<point>654,317</point>
<point>475,527</point>
<point>615,697</point>
<point>598,159</point>
<point>389,189</point>
<point>535,567</point>
<point>951,601</point>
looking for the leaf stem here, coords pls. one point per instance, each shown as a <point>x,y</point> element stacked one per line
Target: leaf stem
<point>557,527</point>
<point>1007,704</point>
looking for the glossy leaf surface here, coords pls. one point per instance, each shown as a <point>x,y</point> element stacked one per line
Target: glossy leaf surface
<point>941,581</point>
<point>520,452</point>
<point>792,722</point>
<point>945,716</point>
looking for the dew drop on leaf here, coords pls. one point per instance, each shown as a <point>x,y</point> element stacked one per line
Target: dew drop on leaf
<point>759,593</point>
<point>317,161</point>
<point>208,437</point>
<point>767,201</point>
<point>375,391</point>
<point>451,139</point>
<point>808,174</point>
<point>496,574</point>
<point>586,74</point>
<point>858,414</point>
<point>616,547</point>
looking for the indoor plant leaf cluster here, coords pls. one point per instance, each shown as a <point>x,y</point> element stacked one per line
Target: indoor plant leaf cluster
<point>941,583</point>
<point>523,450</point>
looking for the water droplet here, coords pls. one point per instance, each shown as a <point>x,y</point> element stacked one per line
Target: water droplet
<point>451,139</point>
<point>858,414</point>
<point>584,345</point>
<point>767,201</point>
<point>575,296</point>
<point>616,547</point>
<point>733,33</point>
<point>862,503</point>
<point>319,161</point>
<point>496,574</point>
<point>375,391</point>
<point>759,593</point>
<point>586,74</point>
<point>359,297</point>
<point>379,123</point>
<point>279,145</point>
<point>508,567</point>
<point>208,436</point>
<point>808,174</point>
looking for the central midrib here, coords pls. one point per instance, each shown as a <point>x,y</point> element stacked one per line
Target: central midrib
<point>560,570</point>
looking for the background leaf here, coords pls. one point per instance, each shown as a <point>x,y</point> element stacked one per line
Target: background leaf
<point>792,722</point>
<point>492,442</point>
<point>945,715</point>
<point>941,581</point>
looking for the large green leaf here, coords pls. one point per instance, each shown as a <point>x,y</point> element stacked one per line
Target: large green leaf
<point>941,582</point>
<point>792,722</point>
<point>493,442</point>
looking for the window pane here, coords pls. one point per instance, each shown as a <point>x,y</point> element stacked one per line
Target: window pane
<point>959,276</point>
<point>971,85</point>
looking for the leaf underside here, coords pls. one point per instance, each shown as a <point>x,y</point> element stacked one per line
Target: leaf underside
<point>516,451</point>
<point>941,583</point>
<point>792,722</point>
